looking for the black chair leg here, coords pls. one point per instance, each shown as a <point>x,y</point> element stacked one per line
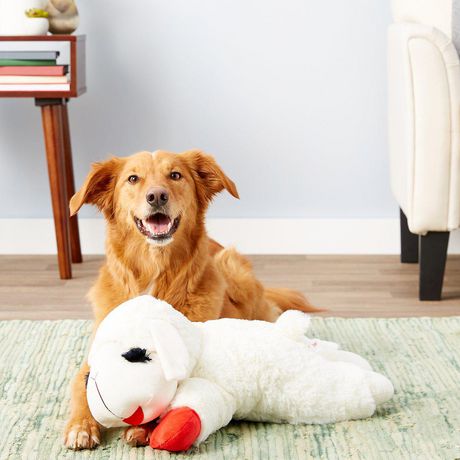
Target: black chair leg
<point>409,242</point>
<point>433,254</point>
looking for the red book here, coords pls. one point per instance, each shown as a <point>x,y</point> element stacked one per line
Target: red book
<point>45,71</point>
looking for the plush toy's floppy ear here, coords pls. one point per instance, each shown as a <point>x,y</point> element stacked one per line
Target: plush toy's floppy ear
<point>209,177</point>
<point>172,352</point>
<point>98,187</point>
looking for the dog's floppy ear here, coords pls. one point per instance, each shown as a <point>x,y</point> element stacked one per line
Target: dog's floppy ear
<point>98,187</point>
<point>209,177</point>
<point>172,352</point>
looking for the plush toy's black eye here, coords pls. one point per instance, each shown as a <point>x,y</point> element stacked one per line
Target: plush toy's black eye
<point>136,355</point>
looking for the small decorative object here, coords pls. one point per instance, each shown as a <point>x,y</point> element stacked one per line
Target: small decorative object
<point>63,16</point>
<point>149,361</point>
<point>23,17</point>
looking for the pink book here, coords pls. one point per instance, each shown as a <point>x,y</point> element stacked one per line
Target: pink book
<point>45,71</point>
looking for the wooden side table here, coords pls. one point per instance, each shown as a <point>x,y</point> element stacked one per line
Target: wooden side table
<point>56,130</point>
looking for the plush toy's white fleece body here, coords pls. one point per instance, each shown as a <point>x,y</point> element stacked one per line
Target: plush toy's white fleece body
<point>226,369</point>
<point>261,371</point>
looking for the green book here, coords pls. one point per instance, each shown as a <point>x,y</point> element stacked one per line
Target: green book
<point>26,62</point>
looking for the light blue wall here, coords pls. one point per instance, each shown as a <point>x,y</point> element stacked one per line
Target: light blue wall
<point>289,95</point>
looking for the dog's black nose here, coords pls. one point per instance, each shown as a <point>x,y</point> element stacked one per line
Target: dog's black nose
<point>136,355</point>
<point>157,196</point>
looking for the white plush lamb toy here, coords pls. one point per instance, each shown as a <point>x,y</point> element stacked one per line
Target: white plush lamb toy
<point>148,361</point>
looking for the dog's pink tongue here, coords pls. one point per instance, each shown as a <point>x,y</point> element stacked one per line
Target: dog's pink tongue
<point>159,224</point>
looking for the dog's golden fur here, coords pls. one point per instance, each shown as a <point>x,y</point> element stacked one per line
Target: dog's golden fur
<point>193,273</point>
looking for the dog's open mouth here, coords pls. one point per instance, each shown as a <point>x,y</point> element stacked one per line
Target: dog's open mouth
<point>157,227</point>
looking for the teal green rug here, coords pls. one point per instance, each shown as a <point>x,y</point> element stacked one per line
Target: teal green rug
<point>420,355</point>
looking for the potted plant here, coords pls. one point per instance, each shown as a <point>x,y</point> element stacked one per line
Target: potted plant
<point>23,17</point>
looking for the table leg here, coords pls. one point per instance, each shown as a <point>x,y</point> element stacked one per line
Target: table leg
<point>70,182</point>
<point>52,118</point>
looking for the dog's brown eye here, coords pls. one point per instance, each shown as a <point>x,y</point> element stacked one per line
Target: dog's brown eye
<point>175,175</point>
<point>133,179</point>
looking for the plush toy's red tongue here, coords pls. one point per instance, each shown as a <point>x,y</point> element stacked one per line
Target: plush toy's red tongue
<point>137,418</point>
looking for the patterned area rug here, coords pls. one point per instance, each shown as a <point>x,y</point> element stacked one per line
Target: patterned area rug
<point>420,356</point>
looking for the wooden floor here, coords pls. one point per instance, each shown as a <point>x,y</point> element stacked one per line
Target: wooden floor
<point>348,286</point>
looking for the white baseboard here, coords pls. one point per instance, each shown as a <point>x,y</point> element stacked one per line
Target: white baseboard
<point>250,236</point>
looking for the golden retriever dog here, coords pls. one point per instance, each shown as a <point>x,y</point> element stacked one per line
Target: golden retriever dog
<point>155,205</point>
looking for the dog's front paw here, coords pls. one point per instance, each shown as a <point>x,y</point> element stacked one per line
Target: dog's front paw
<point>82,433</point>
<point>137,435</point>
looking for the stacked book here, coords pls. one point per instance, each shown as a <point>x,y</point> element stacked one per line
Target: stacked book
<point>32,71</point>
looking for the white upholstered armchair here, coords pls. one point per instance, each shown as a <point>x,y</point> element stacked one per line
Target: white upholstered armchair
<point>424,131</point>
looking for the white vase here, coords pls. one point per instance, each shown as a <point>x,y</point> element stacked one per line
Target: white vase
<point>13,20</point>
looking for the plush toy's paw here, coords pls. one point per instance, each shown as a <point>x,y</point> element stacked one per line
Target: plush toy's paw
<point>177,430</point>
<point>137,435</point>
<point>82,433</point>
<point>380,387</point>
